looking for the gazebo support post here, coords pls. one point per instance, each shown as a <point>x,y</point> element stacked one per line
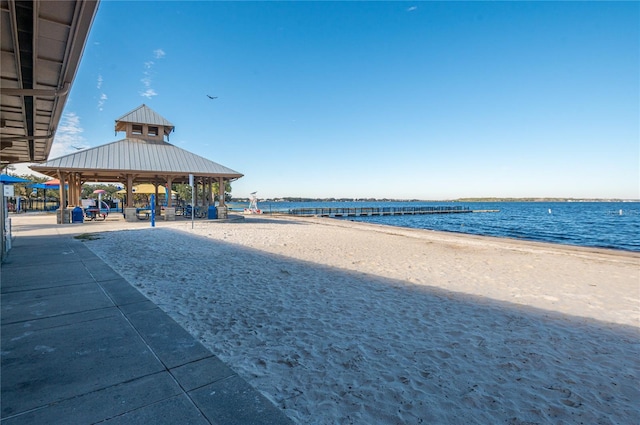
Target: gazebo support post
<point>169,181</point>
<point>129,210</point>
<point>71,190</point>
<point>222,208</point>
<point>63,216</point>
<point>212,199</point>
<point>170,210</point>
<point>195,191</point>
<point>69,195</point>
<point>77,190</point>
<point>207,191</point>
<point>204,192</point>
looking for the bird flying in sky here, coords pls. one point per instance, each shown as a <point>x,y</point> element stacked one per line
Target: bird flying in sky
<point>212,97</point>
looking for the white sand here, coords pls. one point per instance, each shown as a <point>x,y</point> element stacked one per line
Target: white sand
<point>340,322</point>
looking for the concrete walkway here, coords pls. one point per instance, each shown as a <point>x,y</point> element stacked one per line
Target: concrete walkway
<point>80,345</point>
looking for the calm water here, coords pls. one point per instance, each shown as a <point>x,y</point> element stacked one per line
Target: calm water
<point>593,224</point>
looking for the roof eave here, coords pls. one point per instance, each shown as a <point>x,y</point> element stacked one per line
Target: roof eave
<point>32,97</point>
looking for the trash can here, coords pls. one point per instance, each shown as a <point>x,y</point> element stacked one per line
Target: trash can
<point>213,213</point>
<point>77,215</point>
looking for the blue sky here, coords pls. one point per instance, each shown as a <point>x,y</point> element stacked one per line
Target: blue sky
<point>426,100</point>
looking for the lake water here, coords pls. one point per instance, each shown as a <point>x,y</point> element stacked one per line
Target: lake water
<point>613,225</point>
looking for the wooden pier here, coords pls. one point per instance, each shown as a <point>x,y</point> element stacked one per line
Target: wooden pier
<point>380,211</point>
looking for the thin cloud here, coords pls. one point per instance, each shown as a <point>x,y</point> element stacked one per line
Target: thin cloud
<point>69,134</point>
<point>148,73</point>
<point>103,96</point>
<point>412,8</point>
<point>146,82</point>
<point>101,101</point>
<point>148,93</point>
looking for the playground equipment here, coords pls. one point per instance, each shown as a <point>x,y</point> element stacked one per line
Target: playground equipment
<point>100,210</point>
<point>253,205</point>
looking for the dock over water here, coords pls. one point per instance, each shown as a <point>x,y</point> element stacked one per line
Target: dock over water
<point>380,211</point>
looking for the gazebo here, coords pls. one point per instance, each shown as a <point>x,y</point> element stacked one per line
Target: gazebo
<point>142,157</point>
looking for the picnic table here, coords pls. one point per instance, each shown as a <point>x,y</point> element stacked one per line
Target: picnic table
<point>143,213</point>
<point>93,213</point>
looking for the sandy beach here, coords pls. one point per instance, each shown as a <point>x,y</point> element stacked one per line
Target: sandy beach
<point>340,322</point>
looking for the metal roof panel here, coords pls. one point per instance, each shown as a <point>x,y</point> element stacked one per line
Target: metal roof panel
<point>135,155</point>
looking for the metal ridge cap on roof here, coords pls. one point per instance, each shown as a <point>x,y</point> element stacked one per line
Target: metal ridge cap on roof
<point>150,117</point>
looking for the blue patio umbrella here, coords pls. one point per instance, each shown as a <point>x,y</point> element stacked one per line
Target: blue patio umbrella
<point>8,179</point>
<point>38,186</point>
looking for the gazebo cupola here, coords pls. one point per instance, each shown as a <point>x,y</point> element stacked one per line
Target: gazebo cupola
<point>144,123</point>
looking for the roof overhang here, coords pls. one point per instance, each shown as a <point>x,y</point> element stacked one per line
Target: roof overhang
<point>42,43</point>
<point>120,176</point>
<point>146,161</point>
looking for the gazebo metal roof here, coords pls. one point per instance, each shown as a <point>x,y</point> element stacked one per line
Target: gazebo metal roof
<point>150,159</point>
<point>143,157</point>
